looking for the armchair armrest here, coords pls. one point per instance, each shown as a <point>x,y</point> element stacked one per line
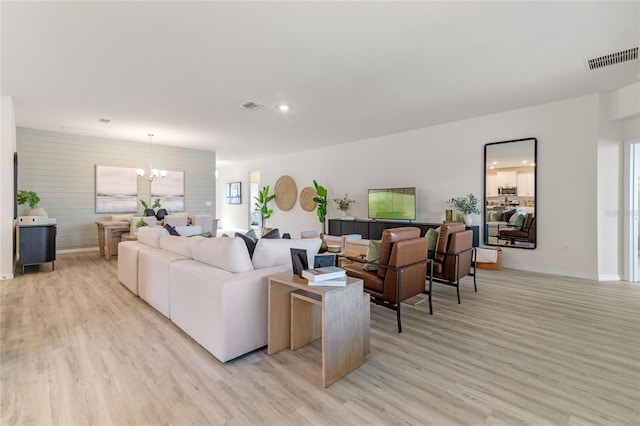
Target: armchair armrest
<point>402,268</point>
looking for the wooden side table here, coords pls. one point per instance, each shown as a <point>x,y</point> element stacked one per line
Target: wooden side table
<point>300,314</point>
<point>106,232</point>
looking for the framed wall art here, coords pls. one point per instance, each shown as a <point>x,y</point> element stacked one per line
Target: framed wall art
<point>170,191</point>
<point>234,194</point>
<point>116,189</point>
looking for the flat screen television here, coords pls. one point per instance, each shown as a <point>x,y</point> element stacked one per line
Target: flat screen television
<point>392,203</point>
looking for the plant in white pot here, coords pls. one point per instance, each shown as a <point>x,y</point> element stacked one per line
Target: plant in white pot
<point>31,198</point>
<point>344,204</point>
<point>466,205</point>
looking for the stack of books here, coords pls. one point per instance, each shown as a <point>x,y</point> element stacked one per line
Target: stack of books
<point>329,276</point>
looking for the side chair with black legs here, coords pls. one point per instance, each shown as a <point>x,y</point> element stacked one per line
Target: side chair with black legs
<point>401,269</point>
<point>454,258</point>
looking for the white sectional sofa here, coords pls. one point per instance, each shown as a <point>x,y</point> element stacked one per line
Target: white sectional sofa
<point>209,287</point>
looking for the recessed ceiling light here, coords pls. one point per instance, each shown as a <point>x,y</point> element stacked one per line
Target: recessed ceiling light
<point>494,163</point>
<point>283,107</point>
<point>524,161</point>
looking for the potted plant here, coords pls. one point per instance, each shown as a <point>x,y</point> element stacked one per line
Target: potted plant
<point>467,205</point>
<point>31,198</point>
<point>344,204</point>
<point>160,213</point>
<point>147,210</point>
<point>321,199</point>
<point>262,201</point>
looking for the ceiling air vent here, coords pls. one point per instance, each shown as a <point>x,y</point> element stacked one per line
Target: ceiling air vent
<point>612,59</point>
<point>251,105</point>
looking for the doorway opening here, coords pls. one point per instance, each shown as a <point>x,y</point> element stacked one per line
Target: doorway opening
<point>254,191</point>
<point>631,209</point>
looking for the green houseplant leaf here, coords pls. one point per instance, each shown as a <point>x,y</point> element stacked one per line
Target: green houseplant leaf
<point>321,199</point>
<point>262,204</point>
<point>28,197</point>
<point>466,205</point>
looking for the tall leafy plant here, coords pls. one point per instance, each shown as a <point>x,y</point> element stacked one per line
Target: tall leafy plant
<point>321,199</point>
<point>262,204</point>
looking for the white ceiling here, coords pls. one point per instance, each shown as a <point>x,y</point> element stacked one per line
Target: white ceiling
<point>349,70</point>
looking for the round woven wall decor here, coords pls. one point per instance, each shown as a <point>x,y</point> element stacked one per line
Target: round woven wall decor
<point>306,199</point>
<point>286,193</point>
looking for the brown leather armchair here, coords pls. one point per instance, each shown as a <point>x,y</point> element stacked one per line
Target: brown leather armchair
<point>527,234</point>
<point>453,258</point>
<point>401,269</point>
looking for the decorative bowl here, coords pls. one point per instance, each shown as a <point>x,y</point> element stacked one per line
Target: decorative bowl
<point>333,248</point>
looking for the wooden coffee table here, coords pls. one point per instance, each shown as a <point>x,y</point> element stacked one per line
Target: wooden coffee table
<point>300,314</point>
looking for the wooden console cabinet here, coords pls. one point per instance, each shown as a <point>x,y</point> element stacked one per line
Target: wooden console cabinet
<point>372,229</point>
<point>36,244</point>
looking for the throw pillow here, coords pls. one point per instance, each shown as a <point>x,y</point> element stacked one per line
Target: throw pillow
<point>250,242</point>
<point>519,223</point>
<point>274,234</point>
<point>507,215</point>
<point>207,234</point>
<point>172,230</point>
<point>432,240</point>
<point>498,216</point>
<point>252,233</point>
<point>373,256</point>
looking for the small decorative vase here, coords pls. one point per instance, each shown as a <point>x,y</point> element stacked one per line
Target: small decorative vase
<point>468,220</point>
<point>38,211</point>
<point>449,215</point>
<point>343,213</point>
<point>161,213</point>
<point>149,212</point>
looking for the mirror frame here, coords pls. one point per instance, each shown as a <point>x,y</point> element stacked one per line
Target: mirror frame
<point>535,193</point>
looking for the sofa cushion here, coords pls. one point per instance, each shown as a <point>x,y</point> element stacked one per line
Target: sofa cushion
<point>270,252</point>
<point>151,236</point>
<point>229,254</point>
<point>176,244</point>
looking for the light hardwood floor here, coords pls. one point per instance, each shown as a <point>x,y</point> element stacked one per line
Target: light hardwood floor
<point>77,348</point>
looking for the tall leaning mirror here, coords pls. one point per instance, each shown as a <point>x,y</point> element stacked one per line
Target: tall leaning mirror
<point>510,193</point>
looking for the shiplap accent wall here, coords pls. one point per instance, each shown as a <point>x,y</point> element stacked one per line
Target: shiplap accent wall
<point>60,168</point>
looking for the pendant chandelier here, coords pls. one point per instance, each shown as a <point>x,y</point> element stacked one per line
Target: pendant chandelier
<point>153,173</point>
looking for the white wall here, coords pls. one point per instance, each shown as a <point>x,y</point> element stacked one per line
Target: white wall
<point>7,148</point>
<point>445,161</point>
<point>609,195</point>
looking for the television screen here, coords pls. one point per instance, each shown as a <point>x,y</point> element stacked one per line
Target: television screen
<point>392,203</point>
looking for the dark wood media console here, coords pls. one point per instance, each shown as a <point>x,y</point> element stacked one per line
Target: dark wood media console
<point>372,229</point>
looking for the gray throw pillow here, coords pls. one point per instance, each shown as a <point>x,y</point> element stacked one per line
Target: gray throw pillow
<point>432,241</point>
<point>171,230</point>
<point>373,256</point>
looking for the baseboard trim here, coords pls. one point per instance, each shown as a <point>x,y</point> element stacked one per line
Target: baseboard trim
<point>78,250</point>
<point>549,271</point>
<point>609,277</point>
<point>7,276</point>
